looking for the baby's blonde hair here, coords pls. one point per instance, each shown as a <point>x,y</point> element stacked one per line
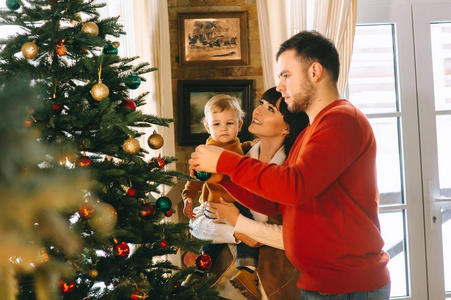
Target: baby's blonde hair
<point>220,103</point>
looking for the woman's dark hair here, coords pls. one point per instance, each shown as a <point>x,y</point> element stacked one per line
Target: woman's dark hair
<point>296,121</point>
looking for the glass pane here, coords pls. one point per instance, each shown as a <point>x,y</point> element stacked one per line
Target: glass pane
<point>371,79</point>
<point>446,233</point>
<point>441,62</point>
<point>444,153</point>
<point>388,160</point>
<point>392,229</point>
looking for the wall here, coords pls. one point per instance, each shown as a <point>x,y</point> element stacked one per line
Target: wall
<point>252,71</point>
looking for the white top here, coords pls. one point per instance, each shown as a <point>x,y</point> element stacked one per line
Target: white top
<point>268,234</point>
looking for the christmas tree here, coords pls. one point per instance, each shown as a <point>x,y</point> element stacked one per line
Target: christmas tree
<point>83,215</point>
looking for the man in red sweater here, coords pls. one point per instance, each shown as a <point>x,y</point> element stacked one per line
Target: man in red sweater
<point>326,190</point>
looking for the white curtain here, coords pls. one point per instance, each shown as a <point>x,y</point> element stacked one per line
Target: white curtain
<point>278,20</point>
<point>336,20</point>
<point>273,31</point>
<point>146,23</point>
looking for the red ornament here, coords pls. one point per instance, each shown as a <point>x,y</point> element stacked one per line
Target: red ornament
<point>169,213</point>
<point>61,50</point>
<point>86,211</point>
<point>130,104</point>
<point>158,162</point>
<point>131,192</point>
<point>163,244</point>
<point>121,250</point>
<point>204,262</point>
<point>57,107</point>
<point>177,287</point>
<point>65,287</point>
<point>147,211</point>
<point>84,161</point>
<point>139,295</point>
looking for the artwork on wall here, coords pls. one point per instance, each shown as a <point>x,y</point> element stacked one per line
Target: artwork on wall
<point>192,97</point>
<point>213,38</point>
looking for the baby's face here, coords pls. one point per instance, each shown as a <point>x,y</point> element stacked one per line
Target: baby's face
<point>223,126</point>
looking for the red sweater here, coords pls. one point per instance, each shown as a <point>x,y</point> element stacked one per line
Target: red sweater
<point>327,193</point>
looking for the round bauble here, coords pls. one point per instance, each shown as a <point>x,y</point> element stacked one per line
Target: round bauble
<point>100,91</point>
<point>104,219</point>
<point>86,211</point>
<point>139,295</point>
<point>204,262</point>
<point>93,273</point>
<point>130,104</point>
<point>155,141</point>
<point>90,28</point>
<point>30,50</point>
<point>147,211</point>
<point>116,44</point>
<point>12,4</point>
<point>163,244</point>
<point>169,213</point>
<point>121,250</point>
<point>132,81</point>
<point>164,204</point>
<point>131,146</point>
<point>109,49</point>
<point>202,176</point>
<point>84,161</point>
<point>66,287</point>
<point>131,192</point>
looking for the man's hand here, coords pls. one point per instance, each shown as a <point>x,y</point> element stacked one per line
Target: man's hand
<point>204,159</point>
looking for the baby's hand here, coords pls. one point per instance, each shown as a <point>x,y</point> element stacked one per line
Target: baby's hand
<point>188,208</point>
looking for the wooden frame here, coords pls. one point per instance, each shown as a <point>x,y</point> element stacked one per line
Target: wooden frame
<point>213,39</point>
<point>192,97</point>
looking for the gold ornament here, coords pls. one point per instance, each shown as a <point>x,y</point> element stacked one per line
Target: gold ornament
<point>155,141</point>
<point>30,50</point>
<point>90,28</point>
<point>100,91</point>
<point>116,44</point>
<point>104,219</point>
<point>131,146</point>
<point>93,273</point>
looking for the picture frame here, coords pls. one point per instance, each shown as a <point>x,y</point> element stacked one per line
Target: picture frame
<point>213,39</point>
<point>191,100</point>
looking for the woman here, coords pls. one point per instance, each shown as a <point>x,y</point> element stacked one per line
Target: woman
<point>277,129</point>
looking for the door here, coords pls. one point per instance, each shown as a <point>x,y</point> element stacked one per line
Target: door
<point>401,59</point>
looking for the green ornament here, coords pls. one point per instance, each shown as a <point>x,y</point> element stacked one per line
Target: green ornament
<point>202,176</point>
<point>109,49</point>
<point>164,204</point>
<point>12,4</point>
<point>132,81</point>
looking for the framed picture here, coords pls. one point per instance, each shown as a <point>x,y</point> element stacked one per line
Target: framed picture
<point>192,97</point>
<point>213,38</point>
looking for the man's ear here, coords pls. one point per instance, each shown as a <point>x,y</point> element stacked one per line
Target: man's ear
<point>207,127</point>
<point>316,71</point>
<point>240,124</point>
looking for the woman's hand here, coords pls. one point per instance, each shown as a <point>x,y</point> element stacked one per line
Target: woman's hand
<point>247,240</point>
<point>223,212</point>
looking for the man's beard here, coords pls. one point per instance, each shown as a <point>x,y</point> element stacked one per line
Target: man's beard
<point>301,101</point>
